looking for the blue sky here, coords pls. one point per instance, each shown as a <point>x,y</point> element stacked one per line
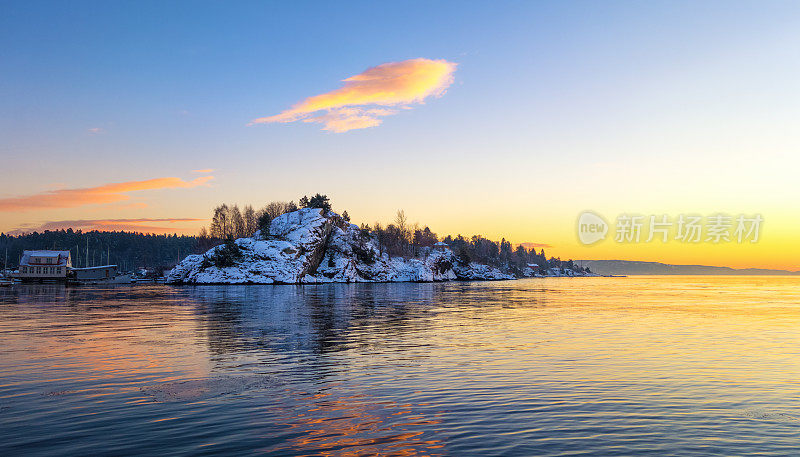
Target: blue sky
<point>555,107</point>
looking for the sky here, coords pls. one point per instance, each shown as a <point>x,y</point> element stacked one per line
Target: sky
<point>506,120</point>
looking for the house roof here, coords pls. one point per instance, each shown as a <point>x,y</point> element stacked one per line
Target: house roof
<point>62,257</point>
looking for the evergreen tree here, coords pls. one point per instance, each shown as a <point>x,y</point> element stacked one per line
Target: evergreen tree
<point>317,201</point>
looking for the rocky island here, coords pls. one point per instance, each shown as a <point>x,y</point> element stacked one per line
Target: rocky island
<point>312,246</point>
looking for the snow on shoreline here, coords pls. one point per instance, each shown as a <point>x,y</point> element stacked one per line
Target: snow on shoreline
<point>310,246</point>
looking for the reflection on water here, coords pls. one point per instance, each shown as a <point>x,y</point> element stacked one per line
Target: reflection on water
<point>661,365</point>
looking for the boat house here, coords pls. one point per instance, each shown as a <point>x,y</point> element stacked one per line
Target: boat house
<point>44,265</point>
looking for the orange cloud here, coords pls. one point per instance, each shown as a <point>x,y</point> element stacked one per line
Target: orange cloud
<point>108,193</point>
<point>204,170</point>
<point>394,84</point>
<point>143,225</point>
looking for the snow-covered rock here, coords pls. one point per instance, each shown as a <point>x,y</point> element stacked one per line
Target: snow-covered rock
<point>311,246</point>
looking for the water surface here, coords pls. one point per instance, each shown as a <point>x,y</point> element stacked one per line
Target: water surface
<point>559,366</point>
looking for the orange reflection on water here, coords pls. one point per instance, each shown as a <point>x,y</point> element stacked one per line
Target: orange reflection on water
<point>101,339</point>
<point>358,425</point>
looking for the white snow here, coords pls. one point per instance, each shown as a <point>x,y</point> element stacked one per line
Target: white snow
<point>309,246</point>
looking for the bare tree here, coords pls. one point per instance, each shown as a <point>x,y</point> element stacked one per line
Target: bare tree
<point>220,222</point>
<point>400,221</point>
<point>250,222</point>
<point>275,209</point>
<point>237,223</point>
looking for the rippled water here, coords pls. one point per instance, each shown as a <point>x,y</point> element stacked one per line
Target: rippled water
<point>610,366</point>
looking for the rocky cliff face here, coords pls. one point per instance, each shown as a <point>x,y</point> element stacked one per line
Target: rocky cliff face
<point>309,246</point>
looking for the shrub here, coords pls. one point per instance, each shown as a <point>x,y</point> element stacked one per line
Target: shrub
<point>262,223</point>
<point>442,266</point>
<point>463,257</point>
<point>364,255</point>
<point>227,255</point>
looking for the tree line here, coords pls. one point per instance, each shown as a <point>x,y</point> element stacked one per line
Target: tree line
<point>397,238</point>
<point>400,238</point>
<point>128,250</point>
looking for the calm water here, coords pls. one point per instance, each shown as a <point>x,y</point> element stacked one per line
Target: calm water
<point>581,366</point>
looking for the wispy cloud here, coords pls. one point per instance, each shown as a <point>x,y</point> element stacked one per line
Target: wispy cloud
<point>143,225</point>
<point>107,193</point>
<point>95,130</point>
<point>356,105</point>
<point>204,170</point>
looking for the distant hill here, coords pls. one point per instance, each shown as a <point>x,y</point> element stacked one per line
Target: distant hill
<point>631,267</point>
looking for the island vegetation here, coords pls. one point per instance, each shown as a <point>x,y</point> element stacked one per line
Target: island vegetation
<point>397,238</point>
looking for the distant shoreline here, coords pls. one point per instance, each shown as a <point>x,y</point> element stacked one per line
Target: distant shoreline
<point>637,268</point>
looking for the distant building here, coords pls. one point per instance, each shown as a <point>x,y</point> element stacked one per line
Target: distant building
<point>44,265</point>
<point>440,245</point>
